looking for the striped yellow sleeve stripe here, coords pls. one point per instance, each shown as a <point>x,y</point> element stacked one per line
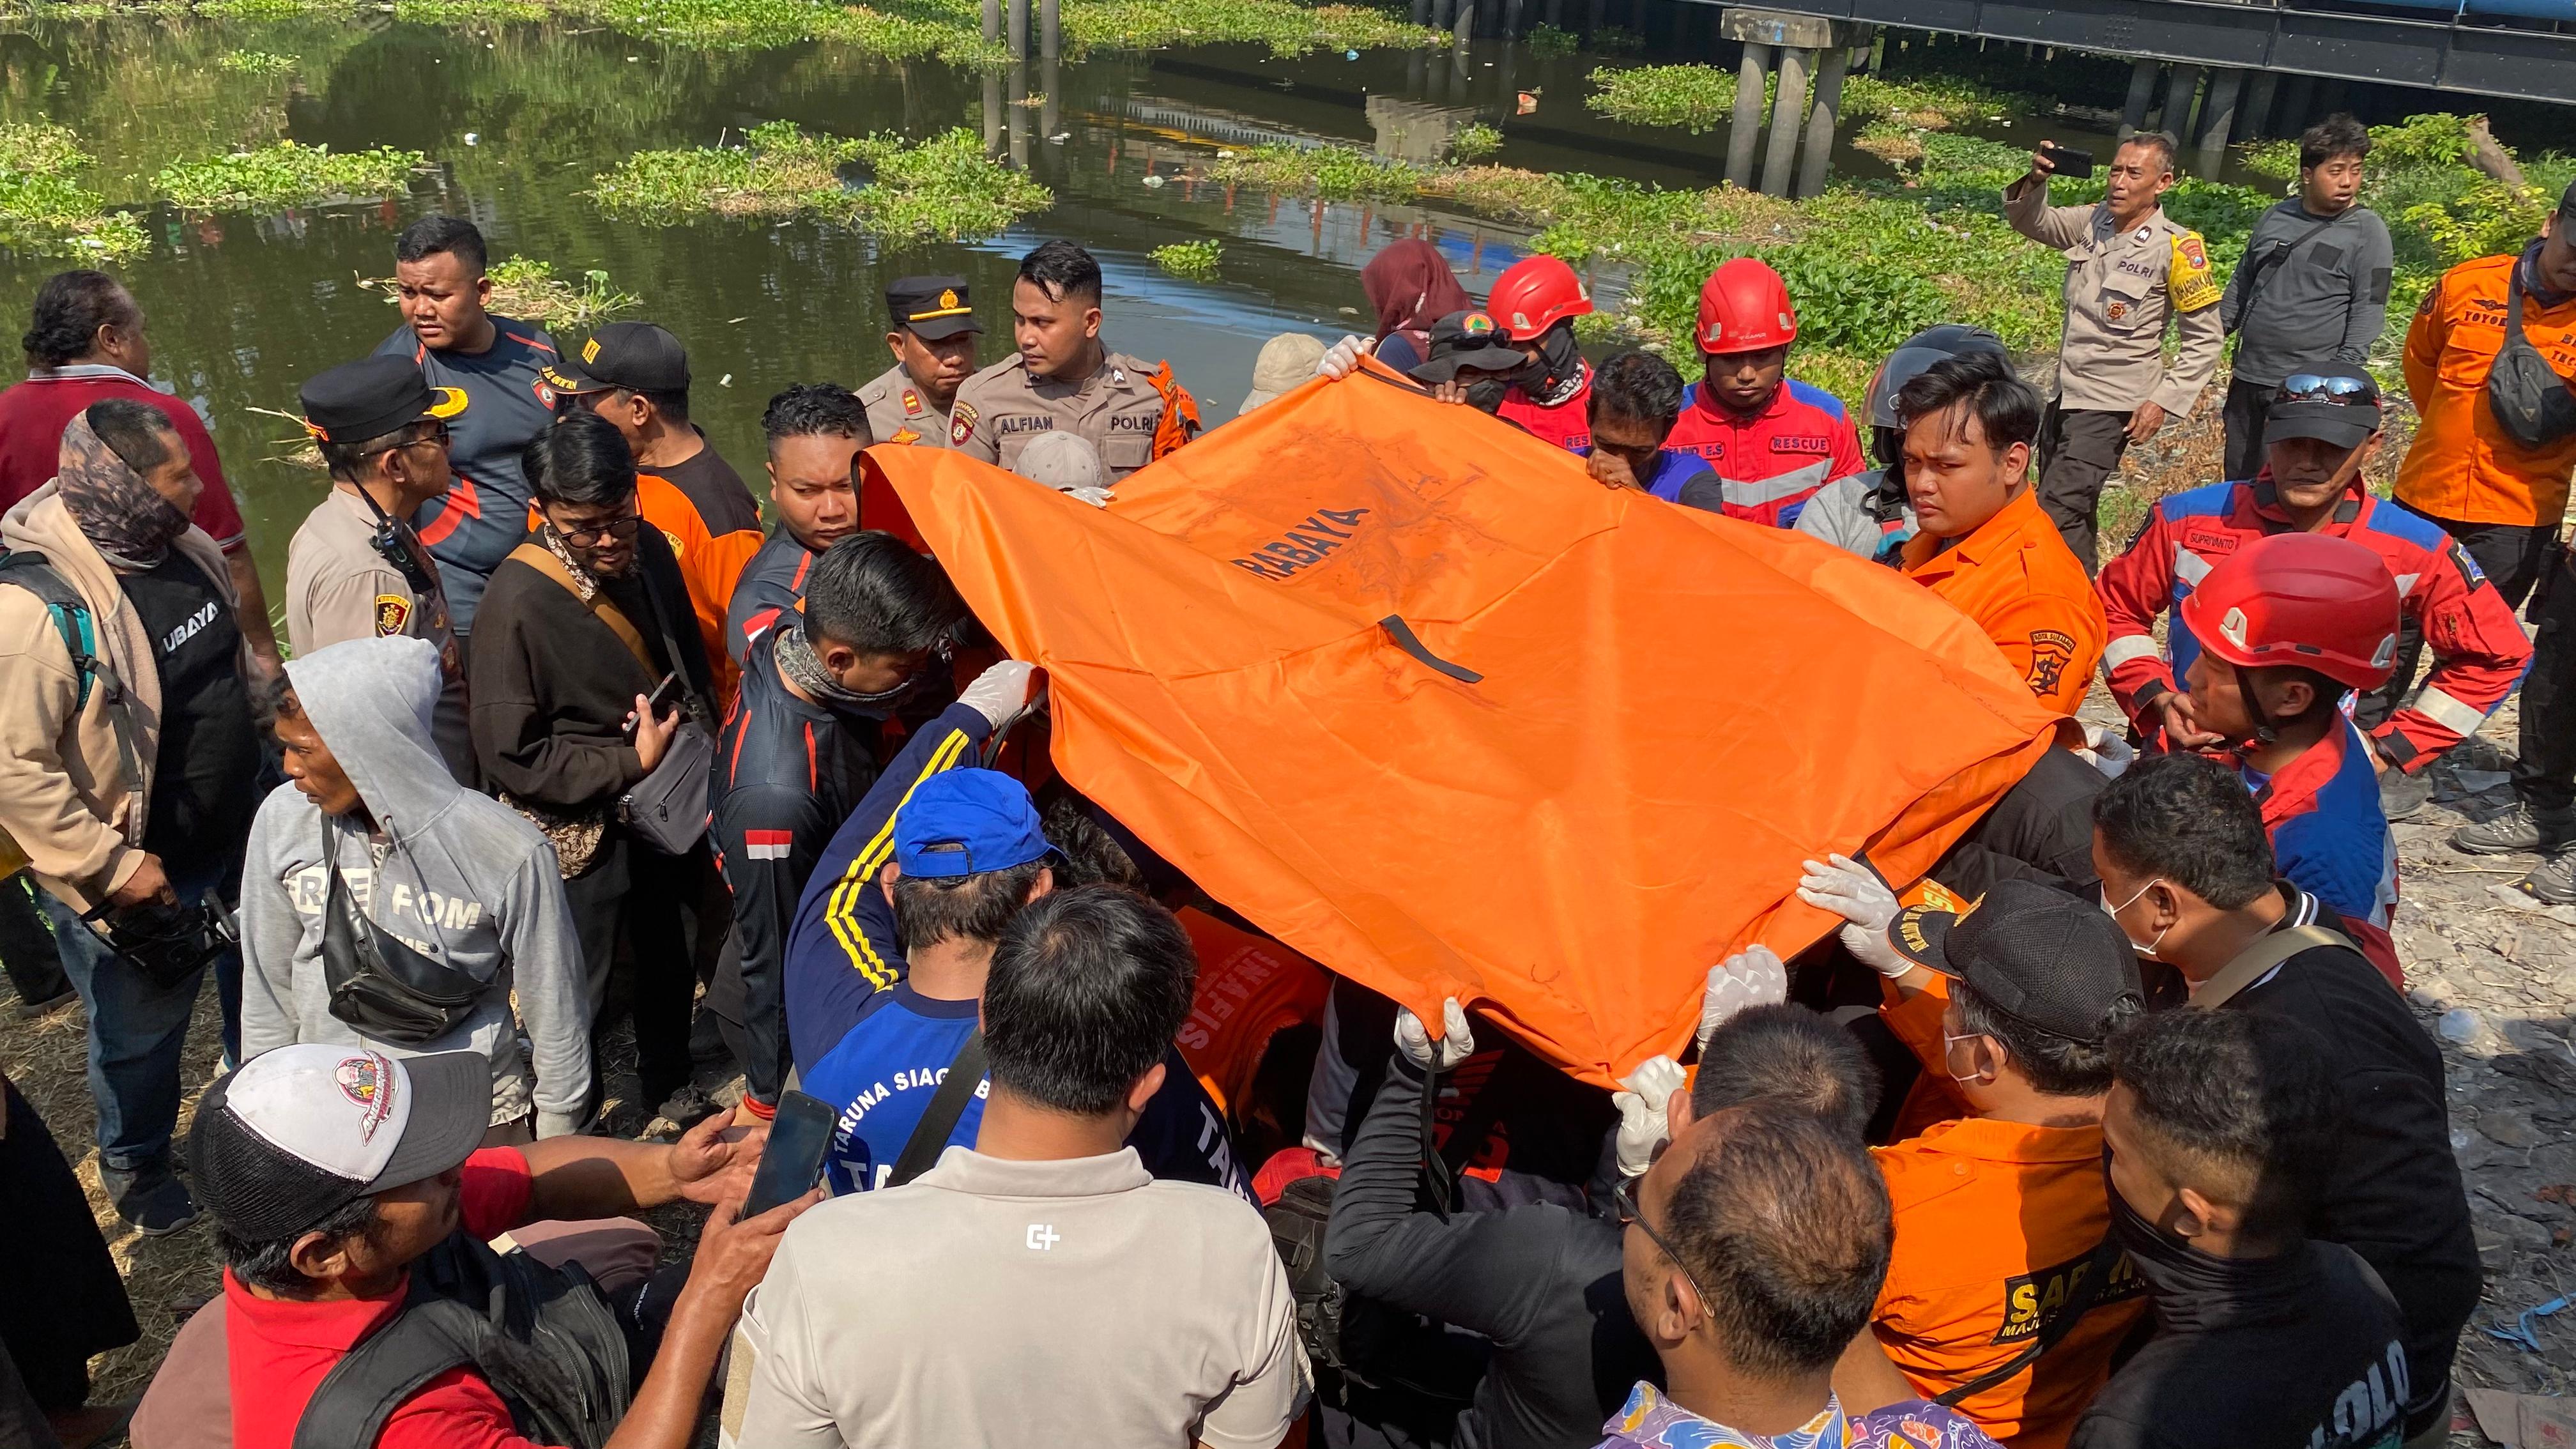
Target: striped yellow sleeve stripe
<point>841,912</point>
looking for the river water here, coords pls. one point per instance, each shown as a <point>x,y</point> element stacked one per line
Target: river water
<point>516,121</point>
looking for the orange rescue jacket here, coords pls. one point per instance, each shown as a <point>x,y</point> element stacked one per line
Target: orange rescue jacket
<point>2463,466</point>
<point>2022,585</point>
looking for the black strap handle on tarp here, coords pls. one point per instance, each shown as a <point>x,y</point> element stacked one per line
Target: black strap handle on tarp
<point>1411,643</point>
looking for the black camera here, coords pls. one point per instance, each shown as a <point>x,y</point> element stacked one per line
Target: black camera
<point>165,940</point>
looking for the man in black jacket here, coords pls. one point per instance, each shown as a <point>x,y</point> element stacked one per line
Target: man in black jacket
<point>1541,1281</point>
<point>586,620</point>
<point>2220,1126</point>
<point>2187,869</point>
<point>799,752</point>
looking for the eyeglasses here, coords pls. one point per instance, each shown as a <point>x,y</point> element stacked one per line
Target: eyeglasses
<point>1626,1205</point>
<point>620,528</point>
<point>942,657</point>
<point>438,433</point>
<point>2316,387</point>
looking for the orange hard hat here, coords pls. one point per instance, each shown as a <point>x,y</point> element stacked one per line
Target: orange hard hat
<point>1534,294</point>
<point>2304,599</point>
<point>1744,307</point>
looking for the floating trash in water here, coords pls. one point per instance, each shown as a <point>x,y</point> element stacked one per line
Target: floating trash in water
<point>1059,138</point>
<point>1224,155</point>
<point>1350,55</point>
<point>1155,181</point>
<point>725,381</point>
<point>472,137</point>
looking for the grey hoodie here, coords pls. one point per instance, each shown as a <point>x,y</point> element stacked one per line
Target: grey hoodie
<point>456,875</point>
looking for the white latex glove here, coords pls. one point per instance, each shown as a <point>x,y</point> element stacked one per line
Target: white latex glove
<point>1854,892</point>
<point>1001,692</point>
<point>2107,752</point>
<point>1642,1127</point>
<point>1457,1043</point>
<point>1751,977</point>
<point>1343,357</point>
<point>1096,497</point>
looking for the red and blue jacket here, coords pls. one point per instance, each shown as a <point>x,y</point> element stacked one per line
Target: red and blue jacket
<point>1770,464</point>
<point>773,583</point>
<point>1565,423</point>
<point>2331,839</point>
<point>2479,651</point>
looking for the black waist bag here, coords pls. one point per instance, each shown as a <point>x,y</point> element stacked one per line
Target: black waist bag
<point>2528,397</point>
<point>380,986</point>
<point>544,1338</point>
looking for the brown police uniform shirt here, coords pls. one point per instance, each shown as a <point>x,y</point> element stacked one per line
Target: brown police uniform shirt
<point>1000,409</point>
<point>900,412</point>
<point>2120,289</point>
<point>338,588</point>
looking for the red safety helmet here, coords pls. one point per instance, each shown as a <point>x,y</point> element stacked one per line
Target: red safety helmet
<point>1744,307</point>
<point>2305,599</point>
<point>1534,294</point>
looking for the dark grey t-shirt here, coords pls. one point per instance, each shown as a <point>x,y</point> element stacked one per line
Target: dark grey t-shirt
<point>2319,307</point>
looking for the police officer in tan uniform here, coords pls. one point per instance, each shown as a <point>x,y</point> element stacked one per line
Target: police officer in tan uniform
<point>933,342</point>
<point>355,569</point>
<point>1062,377</point>
<point>2129,268</point>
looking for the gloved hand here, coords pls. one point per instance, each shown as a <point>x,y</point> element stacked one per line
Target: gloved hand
<point>1642,1127</point>
<point>1096,497</point>
<point>1343,357</point>
<point>1001,692</point>
<point>1457,1043</point>
<point>1854,892</point>
<point>1751,977</point>
<point>2107,752</point>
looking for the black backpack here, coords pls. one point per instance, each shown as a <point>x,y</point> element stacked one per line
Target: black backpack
<point>1297,1222</point>
<point>543,1337</point>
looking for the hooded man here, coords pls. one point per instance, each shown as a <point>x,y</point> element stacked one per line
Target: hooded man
<point>451,874</point>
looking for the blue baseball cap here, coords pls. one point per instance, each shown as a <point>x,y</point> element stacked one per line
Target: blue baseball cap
<point>966,822</point>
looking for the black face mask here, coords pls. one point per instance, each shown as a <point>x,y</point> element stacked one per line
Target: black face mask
<point>1559,363</point>
<point>1486,394</point>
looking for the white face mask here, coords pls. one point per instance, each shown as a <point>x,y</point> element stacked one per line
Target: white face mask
<point>1948,1040</point>
<point>2145,948</point>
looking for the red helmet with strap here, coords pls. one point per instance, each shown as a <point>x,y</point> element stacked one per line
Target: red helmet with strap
<point>1534,294</point>
<point>2305,599</point>
<point>1744,307</point>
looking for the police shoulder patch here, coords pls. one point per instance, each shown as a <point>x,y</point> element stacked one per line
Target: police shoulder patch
<point>961,422</point>
<point>393,611</point>
<point>2188,277</point>
<point>905,435</point>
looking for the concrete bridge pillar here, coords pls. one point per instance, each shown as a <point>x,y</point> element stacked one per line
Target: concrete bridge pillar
<point>1821,114</point>
<point>1018,38</point>
<point>2255,120</point>
<point>1466,26</point>
<point>2218,116</point>
<point>1788,104</point>
<point>1740,136</point>
<point>2142,92</point>
<point>1805,49</point>
<point>992,21</point>
<point>2180,92</point>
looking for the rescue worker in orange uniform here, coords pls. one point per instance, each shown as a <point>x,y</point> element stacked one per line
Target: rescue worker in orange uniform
<point>1985,544</point>
<point>1534,303</point>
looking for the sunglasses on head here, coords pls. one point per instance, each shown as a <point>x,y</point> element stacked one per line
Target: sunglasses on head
<point>2314,387</point>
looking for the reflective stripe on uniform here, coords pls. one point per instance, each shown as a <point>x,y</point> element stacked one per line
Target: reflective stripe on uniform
<point>2125,648</point>
<point>2447,712</point>
<point>1753,493</point>
<point>2189,567</point>
<point>2406,584</point>
<point>841,911</point>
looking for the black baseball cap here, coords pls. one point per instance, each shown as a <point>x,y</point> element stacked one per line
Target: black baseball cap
<point>372,397</point>
<point>2341,408</point>
<point>2049,960</point>
<point>1464,340</point>
<point>637,356</point>
<point>932,307</point>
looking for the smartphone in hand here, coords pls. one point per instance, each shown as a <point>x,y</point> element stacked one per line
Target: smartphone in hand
<point>664,695</point>
<point>792,1161</point>
<point>2068,161</point>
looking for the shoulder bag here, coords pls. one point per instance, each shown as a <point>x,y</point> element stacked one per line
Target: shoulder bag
<point>378,984</point>
<point>2261,957</point>
<point>2531,402</point>
<point>2263,268</point>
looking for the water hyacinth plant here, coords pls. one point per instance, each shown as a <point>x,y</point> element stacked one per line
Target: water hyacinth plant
<point>528,288</point>
<point>944,187</point>
<point>45,211</point>
<point>256,62</point>
<point>286,174</point>
<point>1194,260</point>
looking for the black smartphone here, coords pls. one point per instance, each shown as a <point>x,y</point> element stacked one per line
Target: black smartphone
<point>2070,162</point>
<point>792,1161</point>
<point>664,695</point>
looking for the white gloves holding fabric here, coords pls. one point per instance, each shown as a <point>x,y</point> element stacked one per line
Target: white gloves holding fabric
<point>1642,1127</point>
<point>1854,892</point>
<point>2107,752</point>
<point>1000,693</point>
<point>1751,977</point>
<point>1457,1043</point>
<point>1343,357</point>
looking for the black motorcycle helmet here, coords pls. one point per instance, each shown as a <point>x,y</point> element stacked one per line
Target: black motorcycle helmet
<point>1911,359</point>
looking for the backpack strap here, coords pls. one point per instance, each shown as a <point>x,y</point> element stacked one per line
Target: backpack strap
<point>930,1135</point>
<point>2087,1292</point>
<point>77,625</point>
<point>541,558</point>
<point>427,1338</point>
<point>2261,957</point>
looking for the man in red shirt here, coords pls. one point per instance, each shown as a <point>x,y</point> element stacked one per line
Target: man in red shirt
<point>332,1170</point>
<point>86,344</point>
<point>1773,442</point>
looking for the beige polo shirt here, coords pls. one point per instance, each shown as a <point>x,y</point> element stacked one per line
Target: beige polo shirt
<point>991,1302</point>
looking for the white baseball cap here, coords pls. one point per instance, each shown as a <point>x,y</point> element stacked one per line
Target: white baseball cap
<point>299,1132</point>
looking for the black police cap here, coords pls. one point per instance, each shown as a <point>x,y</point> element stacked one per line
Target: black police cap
<point>2046,959</point>
<point>637,356</point>
<point>372,397</point>
<point>933,307</point>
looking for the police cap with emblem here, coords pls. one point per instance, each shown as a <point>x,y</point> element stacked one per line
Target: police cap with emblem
<point>2046,959</point>
<point>933,308</point>
<point>636,356</point>
<point>371,398</point>
<point>1463,341</point>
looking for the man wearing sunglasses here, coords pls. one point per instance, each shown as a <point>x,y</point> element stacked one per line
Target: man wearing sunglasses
<point>2321,431</point>
<point>356,570</point>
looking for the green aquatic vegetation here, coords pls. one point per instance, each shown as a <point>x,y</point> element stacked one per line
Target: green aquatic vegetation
<point>1474,143</point>
<point>1545,40</point>
<point>1287,28</point>
<point>526,287</point>
<point>256,62</point>
<point>286,174</point>
<point>1335,173</point>
<point>946,187</point>
<point>45,211</point>
<point>1696,98</point>
<point>1194,260</point>
<point>942,187</point>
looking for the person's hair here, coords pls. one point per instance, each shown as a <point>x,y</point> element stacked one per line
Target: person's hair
<point>873,592</point>
<point>70,308</point>
<point>1789,1055</point>
<point>1783,1221</point>
<point>2239,1105</point>
<point>2336,135</point>
<point>270,699</point>
<point>1637,385</point>
<point>1981,385</point>
<point>809,408</point>
<point>581,458</point>
<point>1062,270</point>
<point>973,908</point>
<point>454,235</point>
<point>137,432</point>
<point>2163,143</point>
<point>2189,821</point>
<point>1086,992</point>
<point>1092,856</point>
<point>672,403</point>
<point>266,1263</point>
<point>2056,1065</point>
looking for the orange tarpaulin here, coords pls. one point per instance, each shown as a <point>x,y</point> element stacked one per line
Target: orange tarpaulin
<point>1407,689</point>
